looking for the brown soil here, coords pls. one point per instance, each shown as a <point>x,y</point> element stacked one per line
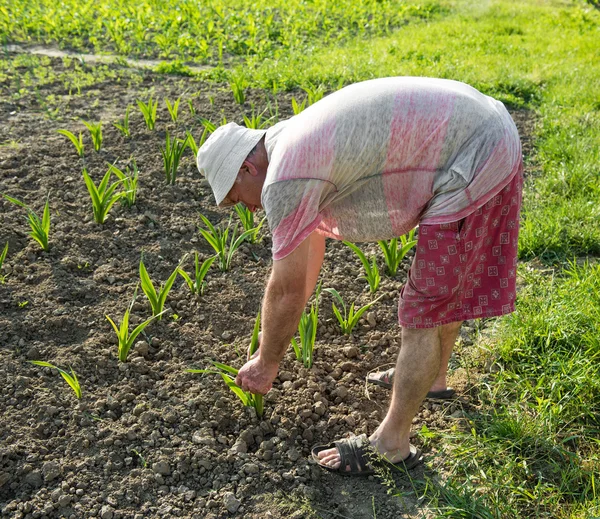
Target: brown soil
<point>148,439</point>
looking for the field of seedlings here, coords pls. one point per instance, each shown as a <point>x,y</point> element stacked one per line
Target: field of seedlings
<point>128,300</point>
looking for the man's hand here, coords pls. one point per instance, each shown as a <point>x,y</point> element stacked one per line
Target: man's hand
<point>256,376</point>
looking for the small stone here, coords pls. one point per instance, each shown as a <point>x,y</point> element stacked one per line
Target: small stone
<point>347,366</point>
<point>308,435</point>
<point>284,376</point>
<point>33,353</point>
<point>106,512</point>
<point>320,408</point>
<point>231,502</point>
<point>341,391</point>
<point>293,455</point>
<point>372,319</point>
<point>250,468</point>
<point>162,468</point>
<point>226,335</point>
<point>34,479</point>
<point>51,470</point>
<point>141,347</point>
<point>64,500</point>
<point>351,352</point>
<point>239,447</point>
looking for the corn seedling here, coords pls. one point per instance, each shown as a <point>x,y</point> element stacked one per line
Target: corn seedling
<point>228,374</point>
<point>371,270</point>
<point>238,86</point>
<point>70,378</point>
<point>393,255</point>
<point>126,339</point>
<point>218,239</point>
<point>103,196</point>
<point>197,284</point>
<point>129,178</point>
<point>95,133</point>
<point>149,112</point>
<point>307,330</point>
<point>40,228</point>
<point>2,258</point>
<point>349,320</point>
<point>208,126</point>
<point>314,93</point>
<point>247,218</point>
<point>171,154</point>
<point>191,142</point>
<point>298,107</point>
<point>256,122</point>
<point>173,108</point>
<point>77,141</point>
<point>157,298</point>
<point>191,107</point>
<point>123,126</point>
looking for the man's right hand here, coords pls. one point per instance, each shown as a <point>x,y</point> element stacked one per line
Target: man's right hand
<point>256,376</point>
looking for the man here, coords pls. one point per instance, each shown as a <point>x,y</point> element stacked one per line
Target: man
<point>367,163</point>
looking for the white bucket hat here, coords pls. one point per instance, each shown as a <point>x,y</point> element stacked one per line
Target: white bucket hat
<point>221,156</point>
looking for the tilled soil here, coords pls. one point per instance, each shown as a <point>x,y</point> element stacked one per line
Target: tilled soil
<point>148,439</point>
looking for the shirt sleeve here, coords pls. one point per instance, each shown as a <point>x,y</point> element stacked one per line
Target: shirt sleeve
<point>293,212</point>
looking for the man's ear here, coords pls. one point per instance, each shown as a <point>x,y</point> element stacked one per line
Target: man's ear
<point>250,168</point>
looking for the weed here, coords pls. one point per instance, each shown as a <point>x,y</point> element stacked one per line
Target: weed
<point>157,299</point>
<point>314,93</point>
<point>129,178</point>
<point>247,218</point>
<point>123,126</point>
<point>238,84</point>
<point>126,339</point>
<point>171,154</point>
<point>103,197</point>
<point>95,133</point>
<point>148,111</point>
<point>349,320</point>
<point>40,228</point>
<point>298,107</point>
<point>393,255</point>
<point>173,108</point>
<point>2,258</point>
<point>197,285</point>
<point>307,329</point>
<point>70,378</point>
<point>77,141</point>
<point>371,270</point>
<point>217,239</point>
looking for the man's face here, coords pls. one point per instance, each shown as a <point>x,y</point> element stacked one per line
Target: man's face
<point>246,189</point>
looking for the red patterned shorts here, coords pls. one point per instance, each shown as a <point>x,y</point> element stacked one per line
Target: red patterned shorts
<point>465,269</point>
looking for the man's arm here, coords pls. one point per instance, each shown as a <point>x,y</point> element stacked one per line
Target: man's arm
<point>291,282</point>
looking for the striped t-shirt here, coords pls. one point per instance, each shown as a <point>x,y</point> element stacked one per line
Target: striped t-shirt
<point>372,160</point>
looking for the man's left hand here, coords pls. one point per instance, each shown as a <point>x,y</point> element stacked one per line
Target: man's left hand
<point>256,376</point>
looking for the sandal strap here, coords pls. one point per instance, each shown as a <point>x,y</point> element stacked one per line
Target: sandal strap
<point>387,375</point>
<point>352,452</point>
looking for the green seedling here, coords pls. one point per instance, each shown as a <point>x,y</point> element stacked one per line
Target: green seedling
<point>129,178</point>
<point>191,107</point>
<point>256,122</point>
<point>77,141</point>
<point>228,373</point>
<point>371,270</point>
<point>123,126</point>
<point>238,86</point>
<point>103,196</point>
<point>171,154</point>
<point>148,111</point>
<point>70,378</point>
<point>314,93</point>
<point>126,339</point>
<point>349,320</point>
<point>197,284</point>
<point>298,107</point>
<point>157,298</point>
<point>2,258</point>
<point>393,255</point>
<point>218,239</point>
<point>247,218</point>
<point>307,330</point>
<point>40,228</point>
<point>95,133</point>
<point>173,108</point>
<point>208,126</point>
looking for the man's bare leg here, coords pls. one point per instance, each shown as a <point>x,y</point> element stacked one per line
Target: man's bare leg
<point>417,367</point>
<point>449,336</point>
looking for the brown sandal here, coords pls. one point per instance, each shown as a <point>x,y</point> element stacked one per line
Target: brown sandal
<point>386,378</point>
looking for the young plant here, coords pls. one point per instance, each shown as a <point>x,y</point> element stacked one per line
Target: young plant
<point>2,258</point>
<point>125,338</point>
<point>171,154</point>
<point>314,93</point>
<point>208,126</point>
<point>393,255</point>
<point>191,107</point>
<point>123,126</point>
<point>103,197</point>
<point>238,86</point>
<point>349,320</point>
<point>173,108</point>
<point>256,122</point>
<point>247,218</point>
<point>217,239</point>
<point>157,298</point>
<point>95,133</point>
<point>307,329</point>
<point>191,142</point>
<point>228,373</point>
<point>70,378</point>
<point>40,228</point>
<point>197,285</point>
<point>371,270</point>
<point>148,111</point>
<point>129,178</point>
<point>298,107</point>
<point>77,141</point>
